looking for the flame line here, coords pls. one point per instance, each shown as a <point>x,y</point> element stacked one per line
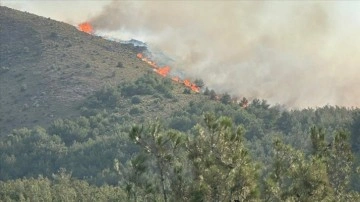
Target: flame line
<point>164,71</point>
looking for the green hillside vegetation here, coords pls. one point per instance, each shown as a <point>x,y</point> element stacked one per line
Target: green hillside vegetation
<point>132,135</point>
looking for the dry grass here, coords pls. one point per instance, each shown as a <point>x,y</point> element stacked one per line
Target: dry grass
<point>49,68</point>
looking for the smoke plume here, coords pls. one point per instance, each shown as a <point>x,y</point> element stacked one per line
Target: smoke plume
<point>293,53</point>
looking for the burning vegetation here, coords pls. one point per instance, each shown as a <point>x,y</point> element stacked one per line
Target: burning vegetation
<point>164,72</point>
<point>86,27</point>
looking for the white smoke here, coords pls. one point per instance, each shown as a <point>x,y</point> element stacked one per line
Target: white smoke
<point>287,52</point>
<point>302,54</point>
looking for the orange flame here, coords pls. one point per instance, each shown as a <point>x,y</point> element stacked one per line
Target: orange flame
<point>176,79</point>
<point>139,55</point>
<point>86,27</point>
<point>187,83</point>
<point>151,63</point>
<point>192,86</point>
<point>195,88</point>
<point>164,71</point>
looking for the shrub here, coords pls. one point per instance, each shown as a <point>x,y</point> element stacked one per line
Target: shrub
<point>148,85</point>
<point>199,82</point>
<point>108,96</point>
<point>187,91</point>
<point>212,95</point>
<point>53,35</point>
<point>120,65</point>
<point>135,100</point>
<point>226,99</point>
<point>182,123</point>
<point>135,111</point>
<point>207,91</point>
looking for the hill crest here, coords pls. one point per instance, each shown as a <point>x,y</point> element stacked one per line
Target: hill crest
<point>48,68</point>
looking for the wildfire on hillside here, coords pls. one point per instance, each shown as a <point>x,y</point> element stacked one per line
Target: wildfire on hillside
<point>151,63</point>
<point>164,71</point>
<point>86,27</point>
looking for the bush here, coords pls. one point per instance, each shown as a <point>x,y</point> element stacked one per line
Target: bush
<point>213,95</point>
<point>70,131</point>
<point>108,97</point>
<point>199,82</point>
<point>207,91</point>
<point>135,111</point>
<point>54,35</point>
<point>120,65</point>
<point>182,123</point>
<point>148,85</point>
<point>187,91</point>
<point>135,100</point>
<point>226,99</point>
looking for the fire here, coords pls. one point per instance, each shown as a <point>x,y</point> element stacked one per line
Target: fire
<point>176,79</point>
<point>192,86</point>
<point>187,83</point>
<point>86,27</point>
<point>140,56</point>
<point>164,71</point>
<point>151,63</point>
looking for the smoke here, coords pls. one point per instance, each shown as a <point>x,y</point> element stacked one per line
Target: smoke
<point>293,53</point>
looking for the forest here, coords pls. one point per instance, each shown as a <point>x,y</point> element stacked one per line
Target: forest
<point>212,149</point>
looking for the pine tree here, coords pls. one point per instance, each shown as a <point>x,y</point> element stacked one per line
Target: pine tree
<point>161,150</point>
<point>297,178</point>
<point>222,167</point>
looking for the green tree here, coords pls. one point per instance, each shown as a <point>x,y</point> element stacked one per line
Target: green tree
<point>163,148</point>
<point>213,95</point>
<point>222,167</point>
<point>226,99</point>
<point>296,178</point>
<point>199,82</point>
<point>244,102</point>
<point>338,158</point>
<point>323,175</point>
<point>355,132</point>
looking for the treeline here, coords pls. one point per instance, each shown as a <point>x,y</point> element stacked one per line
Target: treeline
<point>210,162</point>
<point>208,150</point>
<point>60,187</point>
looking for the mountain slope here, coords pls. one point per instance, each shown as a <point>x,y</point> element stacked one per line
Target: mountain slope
<point>49,67</point>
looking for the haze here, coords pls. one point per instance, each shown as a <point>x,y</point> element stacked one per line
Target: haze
<point>301,54</point>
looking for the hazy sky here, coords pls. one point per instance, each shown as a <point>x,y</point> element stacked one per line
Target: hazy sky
<point>289,52</point>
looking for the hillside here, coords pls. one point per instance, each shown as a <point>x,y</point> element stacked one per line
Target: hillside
<point>48,68</point>
<point>84,119</point>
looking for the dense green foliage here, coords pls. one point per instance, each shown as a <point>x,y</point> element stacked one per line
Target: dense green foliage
<point>144,138</point>
<point>212,150</point>
<point>61,187</point>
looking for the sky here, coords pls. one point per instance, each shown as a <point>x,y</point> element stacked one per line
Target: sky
<point>296,53</point>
